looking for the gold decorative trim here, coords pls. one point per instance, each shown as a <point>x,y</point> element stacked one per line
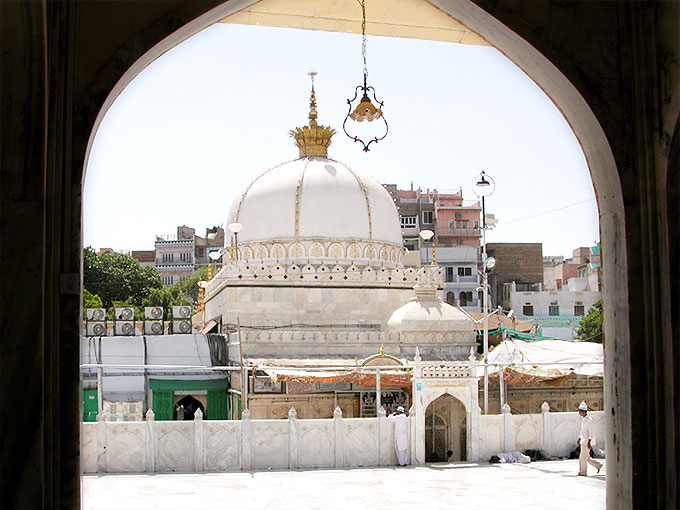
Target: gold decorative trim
<point>368,203</point>
<point>298,197</point>
<point>247,189</point>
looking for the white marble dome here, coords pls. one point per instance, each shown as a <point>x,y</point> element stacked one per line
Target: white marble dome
<point>425,312</point>
<point>317,209</point>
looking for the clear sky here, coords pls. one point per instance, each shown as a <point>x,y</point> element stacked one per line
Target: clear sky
<point>210,115</point>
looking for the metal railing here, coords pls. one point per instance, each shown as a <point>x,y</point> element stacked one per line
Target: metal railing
<point>459,232</point>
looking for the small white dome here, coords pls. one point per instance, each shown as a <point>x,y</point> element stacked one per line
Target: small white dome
<point>287,209</point>
<point>427,317</point>
<point>426,312</point>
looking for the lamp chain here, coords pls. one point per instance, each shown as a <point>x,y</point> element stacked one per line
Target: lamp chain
<point>363,37</point>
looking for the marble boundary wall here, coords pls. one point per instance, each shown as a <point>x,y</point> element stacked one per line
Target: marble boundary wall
<point>210,446</point>
<point>553,433</point>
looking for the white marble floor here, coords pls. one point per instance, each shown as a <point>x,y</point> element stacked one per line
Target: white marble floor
<point>543,485</point>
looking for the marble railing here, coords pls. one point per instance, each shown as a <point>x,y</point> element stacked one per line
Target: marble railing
<point>207,445</point>
<point>553,433</point>
<point>215,445</point>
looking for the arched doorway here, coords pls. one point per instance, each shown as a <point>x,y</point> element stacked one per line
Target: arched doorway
<point>445,430</point>
<point>451,298</point>
<point>186,407</point>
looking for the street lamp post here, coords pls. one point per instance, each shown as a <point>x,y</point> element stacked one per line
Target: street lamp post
<point>426,235</point>
<point>483,186</point>
<point>235,228</point>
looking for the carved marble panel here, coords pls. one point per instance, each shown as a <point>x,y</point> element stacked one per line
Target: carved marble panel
<point>316,444</point>
<point>269,444</point>
<point>88,448</point>
<point>222,445</point>
<point>528,431</point>
<point>360,442</point>
<point>175,446</point>
<point>125,447</point>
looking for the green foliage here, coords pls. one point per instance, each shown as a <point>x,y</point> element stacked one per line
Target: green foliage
<point>165,297</point>
<point>116,277</point>
<point>590,328</point>
<point>189,286</point>
<point>91,301</point>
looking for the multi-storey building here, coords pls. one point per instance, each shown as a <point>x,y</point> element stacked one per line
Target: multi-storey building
<point>570,289</point>
<point>175,255</point>
<point>521,263</point>
<point>456,225</point>
<point>178,256</point>
<point>144,257</point>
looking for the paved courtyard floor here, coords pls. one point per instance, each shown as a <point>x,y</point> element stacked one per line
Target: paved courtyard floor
<point>542,485</point>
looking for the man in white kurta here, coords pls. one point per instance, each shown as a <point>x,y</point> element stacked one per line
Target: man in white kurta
<point>400,434</point>
<point>585,439</point>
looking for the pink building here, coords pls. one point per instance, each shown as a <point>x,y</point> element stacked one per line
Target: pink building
<point>456,224</point>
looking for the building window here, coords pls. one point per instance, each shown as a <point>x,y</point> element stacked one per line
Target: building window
<point>528,309</point>
<point>450,298</point>
<point>408,221</point>
<point>449,275</point>
<point>168,257</point>
<point>464,224</point>
<point>428,217</point>
<point>553,310</point>
<point>559,283</point>
<point>579,309</point>
<point>459,241</point>
<point>465,297</point>
<point>459,215</point>
<point>464,271</point>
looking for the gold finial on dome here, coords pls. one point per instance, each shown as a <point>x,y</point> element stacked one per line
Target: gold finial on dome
<point>312,140</point>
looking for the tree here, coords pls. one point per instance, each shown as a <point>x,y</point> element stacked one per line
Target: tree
<point>189,285</point>
<point>91,301</point>
<point>165,297</point>
<point>590,328</point>
<point>117,277</point>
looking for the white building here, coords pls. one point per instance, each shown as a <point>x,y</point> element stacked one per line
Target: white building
<point>460,273</point>
<point>557,312</point>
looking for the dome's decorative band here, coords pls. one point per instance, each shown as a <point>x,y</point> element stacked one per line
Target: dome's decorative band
<point>322,249</point>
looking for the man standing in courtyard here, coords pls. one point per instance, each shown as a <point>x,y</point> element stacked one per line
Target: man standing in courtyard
<point>400,434</point>
<point>585,439</point>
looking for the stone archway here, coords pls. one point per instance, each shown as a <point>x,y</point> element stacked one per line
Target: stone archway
<point>446,430</point>
<point>64,70</point>
<point>602,165</point>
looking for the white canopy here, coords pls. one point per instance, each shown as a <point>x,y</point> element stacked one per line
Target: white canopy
<point>549,356</point>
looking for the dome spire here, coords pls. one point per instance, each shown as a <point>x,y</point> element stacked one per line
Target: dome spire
<point>312,140</point>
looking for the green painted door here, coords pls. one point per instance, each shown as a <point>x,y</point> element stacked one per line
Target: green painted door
<point>162,404</point>
<point>90,405</point>
<point>217,404</point>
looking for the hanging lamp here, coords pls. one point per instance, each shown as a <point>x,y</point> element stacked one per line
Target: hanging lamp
<point>365,110</point>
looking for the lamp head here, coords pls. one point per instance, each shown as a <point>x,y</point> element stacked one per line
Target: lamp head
<point>483,185</point>
<point>426,234</point>
<point>365,111</point>
<point>235,228</point>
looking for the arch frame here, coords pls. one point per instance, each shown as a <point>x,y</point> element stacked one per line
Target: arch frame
<point>604,174</point>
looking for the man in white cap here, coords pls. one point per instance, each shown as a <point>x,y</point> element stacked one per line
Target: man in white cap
<point>400,434</point>
<point>585,439</point>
